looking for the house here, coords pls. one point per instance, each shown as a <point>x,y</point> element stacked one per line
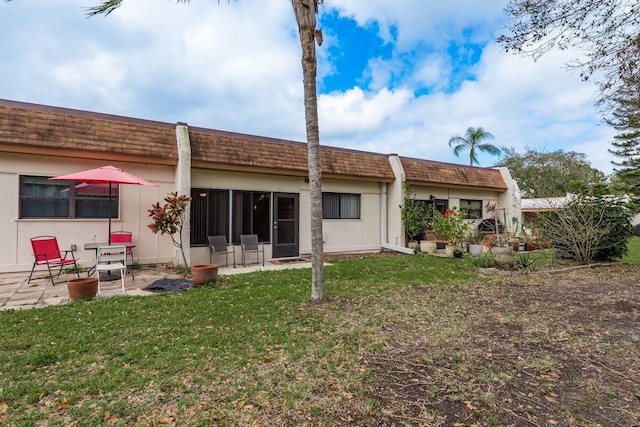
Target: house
<point>239,183</point>
<point>532,207</point>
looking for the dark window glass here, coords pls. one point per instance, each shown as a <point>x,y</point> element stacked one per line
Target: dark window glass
<point>251,215</point>
<point>473,208</point>
<point>441,205</point>
<point>42,198</point>
<point>209,214</point>
<point>340,206</point>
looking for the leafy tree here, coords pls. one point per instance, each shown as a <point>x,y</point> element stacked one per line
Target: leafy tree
<point>169,219</point>
<point>550,174</point>
<point>305,12</point>
<point>472,141</point>
<point>413,213</point>
<point>606,32</point>
<point>625,118</point>
<point>589,228</point>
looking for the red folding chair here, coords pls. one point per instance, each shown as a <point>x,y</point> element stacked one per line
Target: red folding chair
<point>46,252</point>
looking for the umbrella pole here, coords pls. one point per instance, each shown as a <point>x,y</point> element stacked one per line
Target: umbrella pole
<point>109,240</point>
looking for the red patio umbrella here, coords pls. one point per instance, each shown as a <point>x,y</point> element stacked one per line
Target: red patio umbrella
<point>105,175</point>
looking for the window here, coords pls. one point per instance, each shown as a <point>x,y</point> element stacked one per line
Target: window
<point>441,205</point>
<point>340,206</point>
<point>42,198</point>
<point>209,214</point>
<point>473,208</point>
<point>251,215</point>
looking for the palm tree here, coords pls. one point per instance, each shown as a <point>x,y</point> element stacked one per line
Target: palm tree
<point>305,12</point>
<point>472,141</point>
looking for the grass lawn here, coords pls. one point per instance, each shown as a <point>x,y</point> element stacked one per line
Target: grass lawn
<point>403,340</point>
<point>633,256</point>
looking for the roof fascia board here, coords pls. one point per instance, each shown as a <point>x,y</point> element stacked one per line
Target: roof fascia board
<point>90,155</point>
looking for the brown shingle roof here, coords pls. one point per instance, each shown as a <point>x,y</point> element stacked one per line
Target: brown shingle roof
<point>428,172</point>
<point>29,127</point>
<point>41,126</point>
<point>233,151</point>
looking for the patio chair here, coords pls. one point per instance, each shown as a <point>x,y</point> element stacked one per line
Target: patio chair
<point>110,258</point>
<point>249,243</point>
<point>47,252</point>
<point>120,237</point>
<point>218,246</point>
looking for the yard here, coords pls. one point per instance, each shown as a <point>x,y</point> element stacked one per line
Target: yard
<point>404,340</point>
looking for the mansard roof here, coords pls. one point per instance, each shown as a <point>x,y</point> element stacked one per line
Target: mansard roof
<point>41,129</point>
<point>427,172</point>
<point>74,133</point>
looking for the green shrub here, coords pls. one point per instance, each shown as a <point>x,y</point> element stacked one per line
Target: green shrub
<point>483,260</point>
<point>589,228</point>
<point>525,261</point>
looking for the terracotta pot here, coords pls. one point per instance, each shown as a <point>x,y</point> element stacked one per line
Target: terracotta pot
<point>203,273</point>
<point>84,288</point>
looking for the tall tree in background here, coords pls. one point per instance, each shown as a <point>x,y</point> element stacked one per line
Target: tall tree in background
<point>472,141</point>
<point>550,174</point>
<point>625,118</point>
<point>606,32</point>
<point>305,12</point>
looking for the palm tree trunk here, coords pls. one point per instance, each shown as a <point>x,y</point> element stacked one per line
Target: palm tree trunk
<point>305,11</point>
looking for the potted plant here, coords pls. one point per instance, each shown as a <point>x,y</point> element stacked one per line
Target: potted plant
<point>452,227</point>
<point>475,238</point>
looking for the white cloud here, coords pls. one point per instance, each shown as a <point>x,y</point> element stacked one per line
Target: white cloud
<point>355,112</point>
<point>433,21</point>
<point>236,66</point>
<point>521,102</point>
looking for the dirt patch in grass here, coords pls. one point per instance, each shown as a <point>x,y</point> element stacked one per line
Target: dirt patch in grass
<point>541,349</point>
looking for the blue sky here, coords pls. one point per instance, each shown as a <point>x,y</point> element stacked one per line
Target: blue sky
<point>393,77</point>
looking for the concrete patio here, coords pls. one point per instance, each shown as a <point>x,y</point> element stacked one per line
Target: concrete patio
<point>17,294</point>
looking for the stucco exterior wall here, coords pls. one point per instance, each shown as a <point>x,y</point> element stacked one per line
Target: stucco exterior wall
<point>134,202</point>
<point>510,202</point>
<point>395,228</point>
<point>348,235</point>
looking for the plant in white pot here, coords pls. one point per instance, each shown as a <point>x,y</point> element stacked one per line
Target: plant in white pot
<point>475,238</point>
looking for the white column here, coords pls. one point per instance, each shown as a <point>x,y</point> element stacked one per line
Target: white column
<point>183,186</point>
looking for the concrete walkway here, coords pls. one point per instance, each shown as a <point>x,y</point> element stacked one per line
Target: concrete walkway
<point>17,294</point>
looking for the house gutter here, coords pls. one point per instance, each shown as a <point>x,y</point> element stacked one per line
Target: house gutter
<point>383,225</point>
